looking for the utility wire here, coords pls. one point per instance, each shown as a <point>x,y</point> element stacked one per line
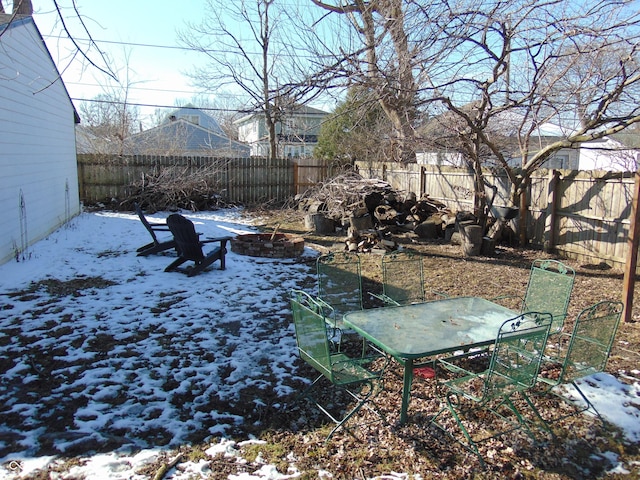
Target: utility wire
<point>174,107</point>
<point>171,47</point>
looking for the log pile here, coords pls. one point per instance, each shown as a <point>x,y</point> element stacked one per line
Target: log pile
<point>370,210</point>
<point>338,197</point>
<point>366,241</point>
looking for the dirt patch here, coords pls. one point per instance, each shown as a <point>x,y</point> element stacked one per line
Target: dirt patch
<point>63,288</point>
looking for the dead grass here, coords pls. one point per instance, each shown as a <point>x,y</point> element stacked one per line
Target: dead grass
<point>577,450</point>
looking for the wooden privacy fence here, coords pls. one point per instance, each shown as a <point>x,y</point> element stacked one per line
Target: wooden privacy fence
<point>245,180</point>
<point>580,214</point>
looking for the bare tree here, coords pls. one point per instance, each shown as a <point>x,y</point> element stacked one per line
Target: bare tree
<point>517,65</point>
<point>108,115</point>
<point>109,118</point>
<point>383,58</point>
<point>244,50</point>
<point>20,7</point>
<point>225,109</point>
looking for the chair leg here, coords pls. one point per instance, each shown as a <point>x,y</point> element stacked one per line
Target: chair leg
<point>361,399</point>
<point>207,261</point>
<point>589,404</point>
<point>305,392</point>
<point>520,421</point>
<point>223,252</point>
<point>175,264</point>
<point>542,422</point>
<point>576,409</point>
<point>470,445</point>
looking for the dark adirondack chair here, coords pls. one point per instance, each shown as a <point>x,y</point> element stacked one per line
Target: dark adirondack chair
<point>189,247</point>
<point>156,246</point>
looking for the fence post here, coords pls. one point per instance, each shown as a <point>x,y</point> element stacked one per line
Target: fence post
<point>524,212</point>
<point>550,220</point>
<point>632,253</point>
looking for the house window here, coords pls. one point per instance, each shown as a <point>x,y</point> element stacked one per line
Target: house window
<point>559,162</point>
<point>195,119</point>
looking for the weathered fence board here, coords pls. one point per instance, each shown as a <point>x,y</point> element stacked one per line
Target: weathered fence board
<point>245,180</point>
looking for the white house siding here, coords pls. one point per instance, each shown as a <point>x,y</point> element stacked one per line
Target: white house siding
<point>38,169</point>
<point>608,154</point>
<point>293,132</point>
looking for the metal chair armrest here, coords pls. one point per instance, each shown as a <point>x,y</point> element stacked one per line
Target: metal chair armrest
<point>453,368</point>
<point>384,298</point>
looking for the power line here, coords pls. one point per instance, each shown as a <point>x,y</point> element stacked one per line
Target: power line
<point>170,47</point>
<point>129,44</point>
<point>174,107</point>
<point>148,89</point>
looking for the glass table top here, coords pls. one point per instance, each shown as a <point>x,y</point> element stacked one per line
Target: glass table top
<point>430,328</point>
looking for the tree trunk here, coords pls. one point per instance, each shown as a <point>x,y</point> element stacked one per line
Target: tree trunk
<point>22,7</point>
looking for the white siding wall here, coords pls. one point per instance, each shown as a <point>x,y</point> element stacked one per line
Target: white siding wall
<point>38,169</point>
<point>607,154</point>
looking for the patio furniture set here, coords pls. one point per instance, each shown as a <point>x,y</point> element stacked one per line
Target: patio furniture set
<point>480,354</point>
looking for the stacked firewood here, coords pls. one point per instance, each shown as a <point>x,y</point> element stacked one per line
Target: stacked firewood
<point>369,241</point>
<point>352,201</point>
<point>339,196</point>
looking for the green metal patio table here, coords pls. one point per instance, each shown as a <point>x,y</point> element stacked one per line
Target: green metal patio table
<point>422,330</point>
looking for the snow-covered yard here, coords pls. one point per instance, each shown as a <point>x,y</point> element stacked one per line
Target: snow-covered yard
<point>102,351</point>
<point>125,354</point>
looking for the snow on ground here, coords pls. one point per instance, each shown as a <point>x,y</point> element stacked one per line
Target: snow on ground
<point>157,355</point>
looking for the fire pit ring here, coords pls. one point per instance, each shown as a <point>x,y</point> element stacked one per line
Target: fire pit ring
<point>279,245</point>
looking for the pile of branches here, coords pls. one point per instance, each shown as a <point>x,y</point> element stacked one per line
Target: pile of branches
<point>174,188</point>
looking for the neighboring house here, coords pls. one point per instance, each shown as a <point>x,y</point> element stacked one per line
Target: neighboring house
<point>566,158</point>
<point>186,131</point>
<point>620,152</point>
<point>196,116</point>
<point>38,169</point>
<point>181,137</point>
<point>297,134</point>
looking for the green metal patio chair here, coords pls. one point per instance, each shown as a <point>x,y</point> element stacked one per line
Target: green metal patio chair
<point>339,286</point>
<point>587,353</point>
<point>548,290</point>
<point>403,280</point>
<point>357,377</point>
<point>513,368</point>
